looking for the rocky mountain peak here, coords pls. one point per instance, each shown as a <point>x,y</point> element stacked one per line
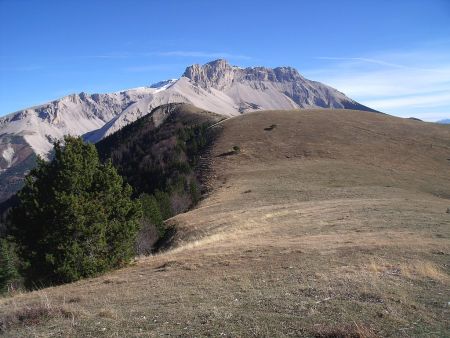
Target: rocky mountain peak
<point>289,74</point>
<point>217,74</point>
<point>220,74</point>
<point>210,68</point>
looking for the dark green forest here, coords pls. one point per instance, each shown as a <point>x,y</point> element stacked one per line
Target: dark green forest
<point>161,162</point>
<point>93,208</point>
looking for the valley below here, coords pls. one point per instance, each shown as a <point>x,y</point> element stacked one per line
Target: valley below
<point>321,223</point>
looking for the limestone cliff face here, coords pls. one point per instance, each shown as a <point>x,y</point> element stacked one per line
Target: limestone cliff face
<point>217,74</point>
<point>220,74</point>
<point>285,81</point>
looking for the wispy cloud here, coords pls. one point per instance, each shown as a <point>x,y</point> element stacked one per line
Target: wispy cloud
<point>426,100</point>
<point>20,69</point>
<point>201,54</point>
<point>374,61</point>
<point>151,68</point>
<point>114,55</point>
<point>404,84</point>
<point>173,53</point>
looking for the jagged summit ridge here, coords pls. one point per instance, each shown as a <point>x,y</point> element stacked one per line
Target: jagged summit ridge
<point>220,74</point>
<point>266,88</point>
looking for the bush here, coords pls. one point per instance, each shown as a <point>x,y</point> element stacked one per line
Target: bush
<point>75,218</point>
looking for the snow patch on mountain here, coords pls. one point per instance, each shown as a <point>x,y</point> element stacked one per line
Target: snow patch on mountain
<point>163,84</point>
<point>8,155</point>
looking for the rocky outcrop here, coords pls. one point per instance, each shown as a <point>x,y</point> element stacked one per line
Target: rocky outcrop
<point>222,76</point>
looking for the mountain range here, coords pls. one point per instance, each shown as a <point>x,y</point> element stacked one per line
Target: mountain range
<point>216,86</point>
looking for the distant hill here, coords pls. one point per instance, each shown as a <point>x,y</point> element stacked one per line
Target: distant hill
<point>444,121</point>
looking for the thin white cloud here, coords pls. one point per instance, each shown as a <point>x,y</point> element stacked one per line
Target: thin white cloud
<point>20,69</point>
<point>143,54</point>
<point>429,115</point>
<point>122,55</point>
<point>386,82</point>
<point>397,83</point>
<point>374,61</point>
<point>151,68</point>
<point>201,54</point>
<point>416,101</point>
<point>173,53</point>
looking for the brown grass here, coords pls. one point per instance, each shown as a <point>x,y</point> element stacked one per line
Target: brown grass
<point>344,233</point>
<point>425,269</point>
<point>108,313</point>
<point>416,269</point>
<point>343,331</point>
<point>33,315</point>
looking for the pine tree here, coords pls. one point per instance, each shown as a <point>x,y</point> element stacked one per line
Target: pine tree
<point>151,212</point>
<point>9,275</point>
<point>75,218</point>
<point>194,191</point>
<point>163,200</point>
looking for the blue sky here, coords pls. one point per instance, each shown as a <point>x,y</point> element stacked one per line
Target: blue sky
<point>393,56</point>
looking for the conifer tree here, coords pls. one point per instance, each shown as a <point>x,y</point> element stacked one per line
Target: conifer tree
<point>9,275</point>
<point>76,217</point>
<point>151,212</point>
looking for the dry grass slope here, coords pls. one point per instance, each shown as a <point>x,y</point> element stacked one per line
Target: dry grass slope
<point>325,223</point>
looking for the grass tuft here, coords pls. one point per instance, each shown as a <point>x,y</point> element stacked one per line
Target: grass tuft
<point>33,315</point>
<point>344,331</point>
<point>108,313</point>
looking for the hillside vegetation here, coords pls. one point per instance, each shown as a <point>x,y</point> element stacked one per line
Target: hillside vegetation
<point>159,156</point>
<point>316,223</point>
